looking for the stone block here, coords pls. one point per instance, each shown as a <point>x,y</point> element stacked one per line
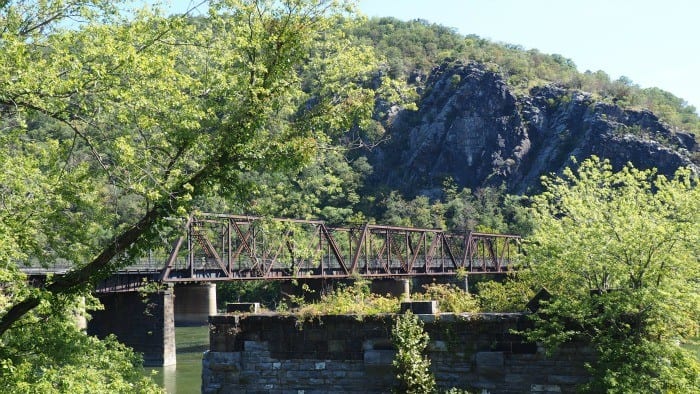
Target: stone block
<point>448,317</point>
<point>420,307</point>
<point>489,364</point>
<point>428,318</point>
<point>377,344</point>
<point>222,361</point>
<point>514,378</point>
<point>254,346</point>
<point>242,307</point>
<point>298,375</point>
<point>566,379</point>
<point>489,359</point>
<point>437,346</point>
<point>379,357</point>
<point>336,346</point>
<point>545,388</point>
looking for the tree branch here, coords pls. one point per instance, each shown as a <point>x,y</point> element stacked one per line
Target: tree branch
<point>100,264</point>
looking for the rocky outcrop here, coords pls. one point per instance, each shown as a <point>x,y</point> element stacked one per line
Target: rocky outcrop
<point>471,127</point>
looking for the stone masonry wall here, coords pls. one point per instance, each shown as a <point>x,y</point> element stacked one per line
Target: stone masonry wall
<point>346,354</point>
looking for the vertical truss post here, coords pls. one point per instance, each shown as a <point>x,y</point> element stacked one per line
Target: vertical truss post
<point>371,250</point>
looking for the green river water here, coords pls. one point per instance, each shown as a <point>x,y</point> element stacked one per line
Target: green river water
<point>186,376</point>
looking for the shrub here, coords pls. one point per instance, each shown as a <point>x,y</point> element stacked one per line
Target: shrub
<point>355,299</point>
<point>412,367</point>
<point>450,298</point>
<point>511,296</point>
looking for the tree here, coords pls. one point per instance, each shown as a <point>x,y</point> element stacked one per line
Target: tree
<point>619,252</point>
<point>163,111</point>
<point>114,122</point>
<point>50,355</point>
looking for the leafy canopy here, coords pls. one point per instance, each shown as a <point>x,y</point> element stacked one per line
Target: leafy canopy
<point>620,251</point>
<point>113,122</point>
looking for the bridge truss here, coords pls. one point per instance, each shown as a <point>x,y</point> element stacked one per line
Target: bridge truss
<point>218,247</point>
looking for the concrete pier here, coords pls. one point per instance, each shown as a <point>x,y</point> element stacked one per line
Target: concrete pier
<point>144,322</point>
<point>194,303</point>
<point>399,288</point>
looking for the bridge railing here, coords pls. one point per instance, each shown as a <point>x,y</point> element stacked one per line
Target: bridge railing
<point>233,247</point>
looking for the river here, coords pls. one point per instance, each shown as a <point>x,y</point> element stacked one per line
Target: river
<point>186,376</point>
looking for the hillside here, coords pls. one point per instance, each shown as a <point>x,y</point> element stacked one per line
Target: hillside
<point>493,114</point>
<point>473,128</point>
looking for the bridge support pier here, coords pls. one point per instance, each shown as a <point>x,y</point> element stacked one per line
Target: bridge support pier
<point>399,288</point>
<point>194,303</point>
<point>144,323</point>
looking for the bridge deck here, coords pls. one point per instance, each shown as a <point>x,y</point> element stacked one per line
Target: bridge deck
<point>217,247</point>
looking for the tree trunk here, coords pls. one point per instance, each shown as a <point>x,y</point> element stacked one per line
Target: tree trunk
<point>79,277</point>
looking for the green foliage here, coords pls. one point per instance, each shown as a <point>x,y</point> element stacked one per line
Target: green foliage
<point>412,367</point>
<point>124,122</point>
<point>450,298</point>
<point>114,123</point>
<point>485,210</point>
<point>355,299</point>
<point>416,213</point>
<point>415,47</point>
<point>328,189</point>
<point>511,296</point>
<point>266,292</point>
<point>619,252</point>
<point>51,355</point>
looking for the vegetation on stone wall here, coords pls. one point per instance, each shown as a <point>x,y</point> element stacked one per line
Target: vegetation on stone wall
<point>357,299</point>
<point>354,299</point>
<point>411,364</point>
<point>450,298</point>
<point>512,295</point>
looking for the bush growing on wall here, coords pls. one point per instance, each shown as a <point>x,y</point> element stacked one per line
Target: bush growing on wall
<point>412,367</point>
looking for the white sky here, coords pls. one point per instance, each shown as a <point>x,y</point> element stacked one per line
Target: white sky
<point>654,43</point>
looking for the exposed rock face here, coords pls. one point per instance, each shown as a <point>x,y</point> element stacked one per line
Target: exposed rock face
<point>472,128</point>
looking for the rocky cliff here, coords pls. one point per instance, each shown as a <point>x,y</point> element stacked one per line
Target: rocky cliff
<point>473,128</point>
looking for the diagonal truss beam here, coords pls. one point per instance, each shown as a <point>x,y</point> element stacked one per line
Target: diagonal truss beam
<point>233,247</point>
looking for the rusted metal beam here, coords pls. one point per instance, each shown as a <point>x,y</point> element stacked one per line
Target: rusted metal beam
<point>268,248</point>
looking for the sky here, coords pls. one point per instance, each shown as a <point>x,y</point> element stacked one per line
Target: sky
<point>654,43</point>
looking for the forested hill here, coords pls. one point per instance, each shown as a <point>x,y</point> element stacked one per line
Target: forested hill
<point>493,114</point>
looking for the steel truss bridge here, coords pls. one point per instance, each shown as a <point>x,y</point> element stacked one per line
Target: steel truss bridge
<point>220,247</point>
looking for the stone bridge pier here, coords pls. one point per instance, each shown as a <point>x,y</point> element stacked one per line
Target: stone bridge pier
<point>146,321</point>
